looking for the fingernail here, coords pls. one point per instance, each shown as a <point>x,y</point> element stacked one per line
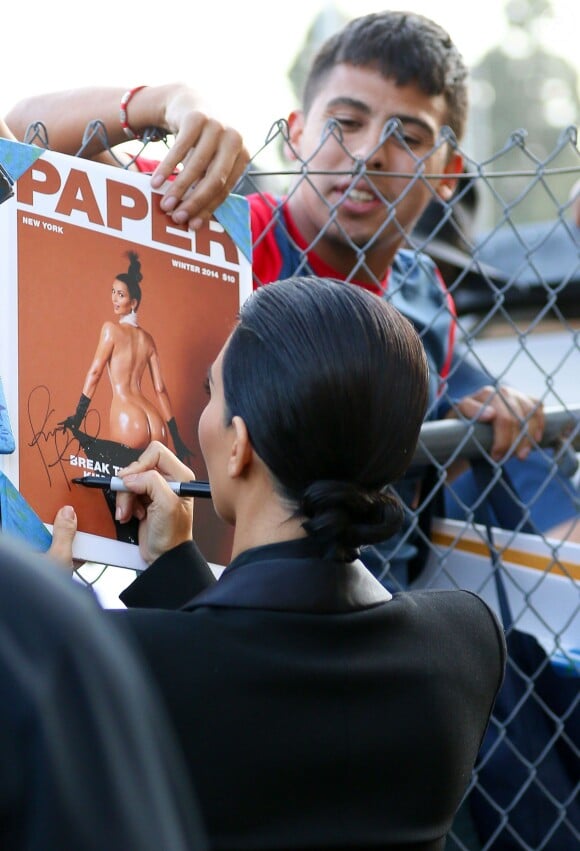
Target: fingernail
<point>195,224</point>
<point>180,217</point>
<point>157,180</point>
<point>118,513</point>
<point>168,203</point>
<point>68,512</point>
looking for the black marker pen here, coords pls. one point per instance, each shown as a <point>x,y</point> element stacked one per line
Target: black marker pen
<point>115,483</point>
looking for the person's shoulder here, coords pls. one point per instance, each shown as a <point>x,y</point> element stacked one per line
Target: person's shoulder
<point>458,609</point>
<point>109,329</point>
<point>408,260</point>
<point>263,207</point>
<point>454,599</point>
<point>147,336</point>
<point>269,241</point>
<point>415,269</point>
<point>38,601</point>
<point>463,628</point>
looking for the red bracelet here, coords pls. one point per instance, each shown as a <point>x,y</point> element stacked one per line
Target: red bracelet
<point>123,117</point>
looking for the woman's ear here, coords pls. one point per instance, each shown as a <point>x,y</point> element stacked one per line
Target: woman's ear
<point>448,184</point>
<point>241,450</point>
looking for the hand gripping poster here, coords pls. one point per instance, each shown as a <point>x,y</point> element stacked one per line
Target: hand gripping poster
<point>110,317</point>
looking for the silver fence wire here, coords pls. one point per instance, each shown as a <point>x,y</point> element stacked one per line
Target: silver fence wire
<point>507,246</point>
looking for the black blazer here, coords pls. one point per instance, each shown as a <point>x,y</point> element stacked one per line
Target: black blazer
<point>314,709</point>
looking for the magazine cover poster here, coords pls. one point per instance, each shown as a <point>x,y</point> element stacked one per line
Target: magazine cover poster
<point>115,337</point>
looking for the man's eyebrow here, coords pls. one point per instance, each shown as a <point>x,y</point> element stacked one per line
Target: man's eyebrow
<point>413,119</point>
<point>354,103</point>
<point>361,106</point>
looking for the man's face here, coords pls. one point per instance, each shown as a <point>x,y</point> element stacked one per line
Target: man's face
<point>361,101</point>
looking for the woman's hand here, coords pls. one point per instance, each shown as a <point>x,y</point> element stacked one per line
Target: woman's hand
<point>165,519</point>
<point>63,533</point>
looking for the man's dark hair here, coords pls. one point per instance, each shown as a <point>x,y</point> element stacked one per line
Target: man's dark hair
<point>402,46</point>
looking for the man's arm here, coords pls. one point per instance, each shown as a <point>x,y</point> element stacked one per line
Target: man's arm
<point>209,156</point>
<point>517,419</point>
<point>5,132</point>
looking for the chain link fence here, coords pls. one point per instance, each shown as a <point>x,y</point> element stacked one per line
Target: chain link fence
<point>514,278</point>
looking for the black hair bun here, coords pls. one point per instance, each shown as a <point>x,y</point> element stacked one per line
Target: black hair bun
<point>345,515</point>
<point>134,267</point>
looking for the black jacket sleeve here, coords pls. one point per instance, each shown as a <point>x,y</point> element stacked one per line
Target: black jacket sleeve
<point>170,581</point>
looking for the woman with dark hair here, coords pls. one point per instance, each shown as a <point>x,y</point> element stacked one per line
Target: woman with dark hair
<point>127,350</point>
<point>314,708</point>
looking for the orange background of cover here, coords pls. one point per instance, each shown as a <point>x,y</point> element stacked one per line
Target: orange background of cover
<point>65,283</point>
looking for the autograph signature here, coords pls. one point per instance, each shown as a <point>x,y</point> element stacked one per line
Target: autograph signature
<point>53,442</point>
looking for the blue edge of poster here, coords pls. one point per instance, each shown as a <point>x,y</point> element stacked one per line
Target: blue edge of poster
<point>16,516</point>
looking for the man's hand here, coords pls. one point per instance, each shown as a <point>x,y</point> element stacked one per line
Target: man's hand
<point>517,419</point>
<point>210,155</point>
<point>166,519</point>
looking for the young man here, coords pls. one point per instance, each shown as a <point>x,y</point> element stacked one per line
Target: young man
<point>370,142</point>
